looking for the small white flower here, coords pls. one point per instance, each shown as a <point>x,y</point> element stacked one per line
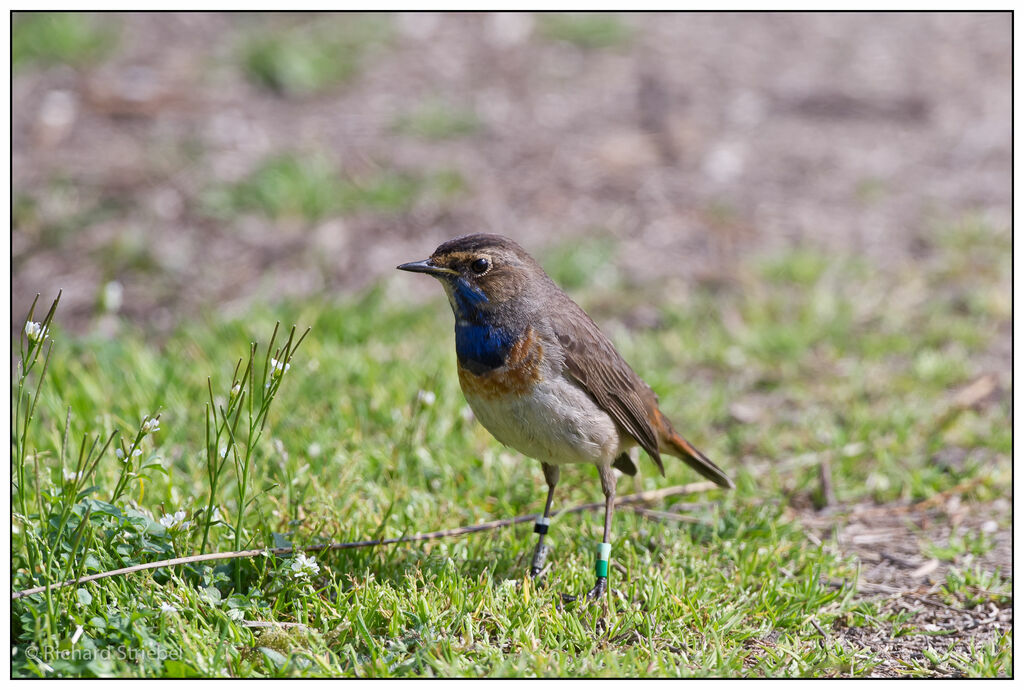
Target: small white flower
<point>150,424</point>
<point>137,452</point>
<point>427,398</point>
<point>216,516</point>
<point>278,368</point>
<point>120,454</point>
<point>304,567</point>
<point>175,521</point>
<point>35,331</point>
<point>113,296</point>
<point>167,608</point>
<point>70,476</point>
<point>235,390</point>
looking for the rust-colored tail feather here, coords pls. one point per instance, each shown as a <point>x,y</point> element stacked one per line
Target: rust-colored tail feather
<point>674,444</point>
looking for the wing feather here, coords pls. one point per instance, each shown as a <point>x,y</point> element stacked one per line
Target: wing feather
<point>593,362</point>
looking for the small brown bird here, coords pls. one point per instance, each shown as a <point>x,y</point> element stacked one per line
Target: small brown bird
<point>543,379</point>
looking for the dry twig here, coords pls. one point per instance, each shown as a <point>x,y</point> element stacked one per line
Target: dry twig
<point>642,497</point>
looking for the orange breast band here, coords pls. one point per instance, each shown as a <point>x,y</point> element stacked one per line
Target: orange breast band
<point>517,377</point>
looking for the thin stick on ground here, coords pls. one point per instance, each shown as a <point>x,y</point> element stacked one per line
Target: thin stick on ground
<point>642,497</point>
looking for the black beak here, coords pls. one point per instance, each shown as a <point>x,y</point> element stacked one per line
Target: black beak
<point>425,266</point>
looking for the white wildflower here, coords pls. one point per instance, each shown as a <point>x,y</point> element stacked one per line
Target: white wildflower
<point>167,608</point>
<point>278,368</point>
<point>137,452</point>
<point>150,424</point>
<point>176,521</point>
<point>427,398</point>
<point>112,296</point>
<point>120,454</point>
<point>35,331</point>
<point>304,567</point>
<point>235,390</point>
<point>216,516</point>
<point>70,476</point>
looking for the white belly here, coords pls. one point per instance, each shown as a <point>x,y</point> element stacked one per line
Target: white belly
<point>556,423</point>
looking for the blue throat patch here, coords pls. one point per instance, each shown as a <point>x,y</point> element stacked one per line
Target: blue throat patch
<point>481,345</point>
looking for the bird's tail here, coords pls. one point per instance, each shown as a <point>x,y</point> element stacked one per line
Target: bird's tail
<point>672,443</point>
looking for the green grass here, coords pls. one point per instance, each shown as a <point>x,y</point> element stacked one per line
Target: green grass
<point>313,57</point>
<point>73,38</point>
<point>590,31</point>
<point>437,119</point>
<point>827,347</point>
<point>309,187</point>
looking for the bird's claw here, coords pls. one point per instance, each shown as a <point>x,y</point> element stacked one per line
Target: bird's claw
<point>600,587</point>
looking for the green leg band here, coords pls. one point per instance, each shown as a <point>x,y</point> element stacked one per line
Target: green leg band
<point>604,550</point>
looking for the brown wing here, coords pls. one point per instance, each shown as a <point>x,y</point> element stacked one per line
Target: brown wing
<point>593,362</point>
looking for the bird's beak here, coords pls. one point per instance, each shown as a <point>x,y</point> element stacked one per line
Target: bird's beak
<point>426,266</point>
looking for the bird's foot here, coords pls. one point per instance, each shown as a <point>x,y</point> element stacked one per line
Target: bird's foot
<point>538,576</point>
<point>540,554</point>
<point>600,587</point>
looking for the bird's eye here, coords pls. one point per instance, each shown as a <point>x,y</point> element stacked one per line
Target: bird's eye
<point>480,266</point>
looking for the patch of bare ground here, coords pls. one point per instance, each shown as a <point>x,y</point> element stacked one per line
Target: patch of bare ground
<point>706,138</point>
<point>895,547</point>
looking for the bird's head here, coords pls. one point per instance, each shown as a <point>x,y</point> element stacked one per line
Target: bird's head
<point>482,274</point>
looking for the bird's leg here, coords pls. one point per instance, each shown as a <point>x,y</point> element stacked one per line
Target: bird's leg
<point>540,553</point>
<point>604,549</point>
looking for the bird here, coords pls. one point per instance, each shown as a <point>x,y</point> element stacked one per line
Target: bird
<point>543,379</point>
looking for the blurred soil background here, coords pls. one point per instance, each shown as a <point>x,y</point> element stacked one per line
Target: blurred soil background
<point>168,167</point>
<point>165,163</point>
